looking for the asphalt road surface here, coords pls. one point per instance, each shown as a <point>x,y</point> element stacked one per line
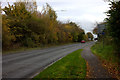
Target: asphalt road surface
<point>26,64</point>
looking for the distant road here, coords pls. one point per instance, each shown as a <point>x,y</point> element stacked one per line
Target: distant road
<point>27,64</point>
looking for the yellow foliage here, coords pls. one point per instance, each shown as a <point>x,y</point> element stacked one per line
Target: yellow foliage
<point>68,27</point>
<point>7,37</point>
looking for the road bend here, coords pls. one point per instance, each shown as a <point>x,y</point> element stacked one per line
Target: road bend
<point>28,63</point>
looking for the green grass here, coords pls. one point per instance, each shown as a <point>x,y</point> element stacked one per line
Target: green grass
<point>108,57</point>
<point>70,66</point>
<point>105,52</point>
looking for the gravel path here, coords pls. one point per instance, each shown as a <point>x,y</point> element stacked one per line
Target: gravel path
<point>96,69</point>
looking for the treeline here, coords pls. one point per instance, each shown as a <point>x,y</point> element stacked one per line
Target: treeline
<point>108,45</point>
<point>23,25</point>
<point>113,24</point>
<point>112,27</point>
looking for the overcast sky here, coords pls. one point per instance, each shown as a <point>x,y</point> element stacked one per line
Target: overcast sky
<point>84,12</point>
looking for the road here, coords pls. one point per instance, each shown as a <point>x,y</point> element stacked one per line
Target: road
<point>26,64</point>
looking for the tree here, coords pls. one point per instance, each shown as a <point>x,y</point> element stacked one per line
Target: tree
<point>95,30</point>
<point>19,17</point>
<point>30,28</point>
<point>113,22</point>
<point>90,36</point>
<point>7,36</point>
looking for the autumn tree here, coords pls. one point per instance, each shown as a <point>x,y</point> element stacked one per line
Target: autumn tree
<point>7,36</point>
<point>24,25</point>
<point>90,35</point>
<point>19,17</point>
<point>95,30</point>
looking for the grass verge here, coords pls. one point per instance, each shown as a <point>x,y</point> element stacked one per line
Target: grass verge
<point>105,52</point>
<point>70,66</point>
<point>108,58</point>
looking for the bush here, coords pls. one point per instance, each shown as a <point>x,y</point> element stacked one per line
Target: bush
<point>28,42</point>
